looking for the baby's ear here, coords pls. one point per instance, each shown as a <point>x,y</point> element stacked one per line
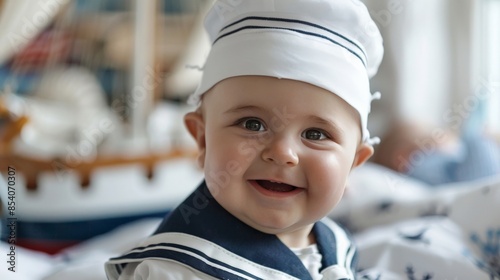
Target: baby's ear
<point>363,153</point>
<point>196,126</point>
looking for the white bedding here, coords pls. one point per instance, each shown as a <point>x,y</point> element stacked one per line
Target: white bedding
<point>407,230</point>
<point>403,229</point>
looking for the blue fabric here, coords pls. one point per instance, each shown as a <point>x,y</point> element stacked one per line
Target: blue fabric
<point>478,157</point>
<point>482,159</point>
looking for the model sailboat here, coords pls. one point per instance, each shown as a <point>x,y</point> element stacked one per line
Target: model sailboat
<point>71,140</point>
<point>65,136</point>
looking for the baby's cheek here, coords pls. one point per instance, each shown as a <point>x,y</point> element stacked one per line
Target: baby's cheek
<point>329,177</point>
<point>330,199</point>
<point>221,169</point>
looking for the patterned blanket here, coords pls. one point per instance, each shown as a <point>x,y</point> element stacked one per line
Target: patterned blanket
<point>405,229</point>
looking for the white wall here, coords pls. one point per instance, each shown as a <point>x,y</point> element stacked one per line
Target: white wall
<point>429,66</point>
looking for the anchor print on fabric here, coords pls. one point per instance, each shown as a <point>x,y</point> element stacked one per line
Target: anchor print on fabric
<point>371,276</point>
<point>416,236</point>
<point>489,260</point>
<point>410,274</point>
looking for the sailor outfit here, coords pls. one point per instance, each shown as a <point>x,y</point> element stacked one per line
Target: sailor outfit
<point>201,240</point>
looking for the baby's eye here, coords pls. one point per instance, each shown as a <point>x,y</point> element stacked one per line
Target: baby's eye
<point>314,134</point>
<point>253,125</point>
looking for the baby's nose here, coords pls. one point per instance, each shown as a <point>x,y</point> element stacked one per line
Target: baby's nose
<point>281,151</point>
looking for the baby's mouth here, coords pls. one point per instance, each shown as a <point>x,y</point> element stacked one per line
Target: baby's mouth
<point>275,186</point>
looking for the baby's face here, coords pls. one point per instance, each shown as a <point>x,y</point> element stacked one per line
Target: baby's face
<point>277,153</point>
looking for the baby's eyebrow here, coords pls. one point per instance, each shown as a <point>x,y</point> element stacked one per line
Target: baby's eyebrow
<point>240,108</point>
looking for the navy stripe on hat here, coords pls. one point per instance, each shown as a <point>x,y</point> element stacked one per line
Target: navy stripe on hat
<point>295,26</point>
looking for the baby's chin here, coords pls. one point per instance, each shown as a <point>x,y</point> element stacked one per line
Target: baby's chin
<point>278,228</point>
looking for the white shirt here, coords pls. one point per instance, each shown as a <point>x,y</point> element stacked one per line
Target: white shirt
<point>311,258</point>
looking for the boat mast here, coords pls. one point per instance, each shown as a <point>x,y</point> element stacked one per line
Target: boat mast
<point>143,71</point>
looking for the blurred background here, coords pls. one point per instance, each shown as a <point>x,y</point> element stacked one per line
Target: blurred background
<point>92,94</point>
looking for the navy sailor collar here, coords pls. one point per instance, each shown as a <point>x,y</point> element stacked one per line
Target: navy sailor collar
<point>201,215</point>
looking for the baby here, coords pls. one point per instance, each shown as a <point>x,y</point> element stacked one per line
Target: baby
<point>281,122</point>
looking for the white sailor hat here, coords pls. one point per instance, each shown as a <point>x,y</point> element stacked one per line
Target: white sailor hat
<point>332,44</point>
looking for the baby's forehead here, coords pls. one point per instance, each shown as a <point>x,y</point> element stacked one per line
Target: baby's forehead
<point>252,86</point>
<point>270,93</point>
